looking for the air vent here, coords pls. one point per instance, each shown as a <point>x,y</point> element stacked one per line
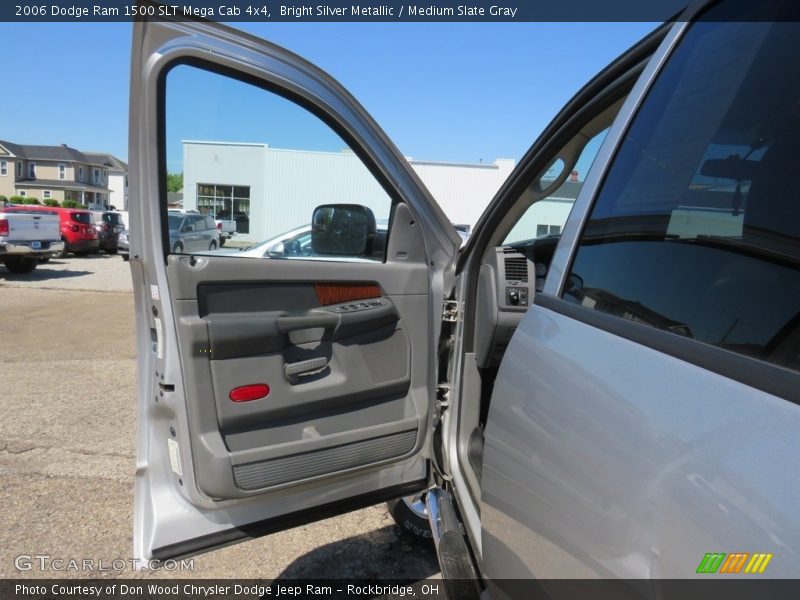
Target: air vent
<point>510,250</point>
<point>516,268</point>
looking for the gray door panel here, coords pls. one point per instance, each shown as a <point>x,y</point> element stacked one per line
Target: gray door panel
<point>352,407</point>
<point>329,437</point>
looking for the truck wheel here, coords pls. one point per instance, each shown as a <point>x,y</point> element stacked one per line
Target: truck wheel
<point>221,242</point>
<point>410,515</point>
<point>21,265</point>
<point>64,251</point>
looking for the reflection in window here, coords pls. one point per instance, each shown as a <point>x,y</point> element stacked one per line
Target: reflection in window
<point>697,228</point>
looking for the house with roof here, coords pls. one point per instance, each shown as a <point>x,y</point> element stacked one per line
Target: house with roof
<point>116,178</point>
<point>60,173</point>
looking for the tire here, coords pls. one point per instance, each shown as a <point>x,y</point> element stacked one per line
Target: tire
<point>111,251</point>
<point>64,251</point>
<point>83,254</point>
<point>221,242</point>
<point>125,257</point>
<point>410,515</point>
<point>21,265</point>
<point>212,245</point>
<point>177,248</point>
<point>44,260</point>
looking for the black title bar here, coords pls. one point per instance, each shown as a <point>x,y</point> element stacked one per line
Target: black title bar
<point>340,11</point>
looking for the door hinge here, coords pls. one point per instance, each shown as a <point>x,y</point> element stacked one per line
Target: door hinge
<point>450,311</point>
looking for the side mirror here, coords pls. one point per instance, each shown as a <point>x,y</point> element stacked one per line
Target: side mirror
<point>342,229</point>
<point>276,250</point>
<point>187,228</point>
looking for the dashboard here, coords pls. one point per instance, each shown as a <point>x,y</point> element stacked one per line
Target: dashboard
<point>509,278</point>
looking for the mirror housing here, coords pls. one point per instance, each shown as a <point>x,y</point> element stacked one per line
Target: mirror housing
<point>342,230</point>
<point>187,228</point>
<point>276,250</point>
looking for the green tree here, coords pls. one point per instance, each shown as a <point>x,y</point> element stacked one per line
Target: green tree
<point>174,182</point>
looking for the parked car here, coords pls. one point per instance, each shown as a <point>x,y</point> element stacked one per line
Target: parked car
<point>192,232</point>
<point>297,243</point>
<point>123,245</point>
<point>27,238</point>
<point>108,226</point>
<point>620,401</point>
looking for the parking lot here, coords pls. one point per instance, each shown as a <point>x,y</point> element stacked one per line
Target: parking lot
<point>67,455</point>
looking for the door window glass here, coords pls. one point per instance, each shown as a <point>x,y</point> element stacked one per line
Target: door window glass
<point>255,158</point>
<point>696,230</point>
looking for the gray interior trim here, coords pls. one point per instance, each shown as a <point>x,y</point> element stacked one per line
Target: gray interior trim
<point>299,467</point>
<point>750,371</point>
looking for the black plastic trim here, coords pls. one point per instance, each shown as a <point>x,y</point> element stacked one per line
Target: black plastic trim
<point>756,373</point>
<point>234,535</point>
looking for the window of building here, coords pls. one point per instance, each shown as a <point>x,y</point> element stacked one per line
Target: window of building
<point>19,168</point>
<point>696,230</point>
<point>3,167</point>
<point>542,230</point>
<point>96,175</point>
<point>62,171</point>
<point>226,202</point>
<point>47,194</point>
<point>32,170</point>
<point>80,173</point>
<point>23,193</point>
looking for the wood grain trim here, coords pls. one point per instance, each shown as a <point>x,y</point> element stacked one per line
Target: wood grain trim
<point>335,293</point>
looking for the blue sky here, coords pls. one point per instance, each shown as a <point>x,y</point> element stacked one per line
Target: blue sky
<point>452,92</point>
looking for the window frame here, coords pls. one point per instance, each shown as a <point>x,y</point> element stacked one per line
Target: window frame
<point>31,170</point>
<point>3,168</point>
<point>62,171</point>
<point>47,194</point>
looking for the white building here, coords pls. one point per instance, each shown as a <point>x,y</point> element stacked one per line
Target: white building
<point>269,190</point>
